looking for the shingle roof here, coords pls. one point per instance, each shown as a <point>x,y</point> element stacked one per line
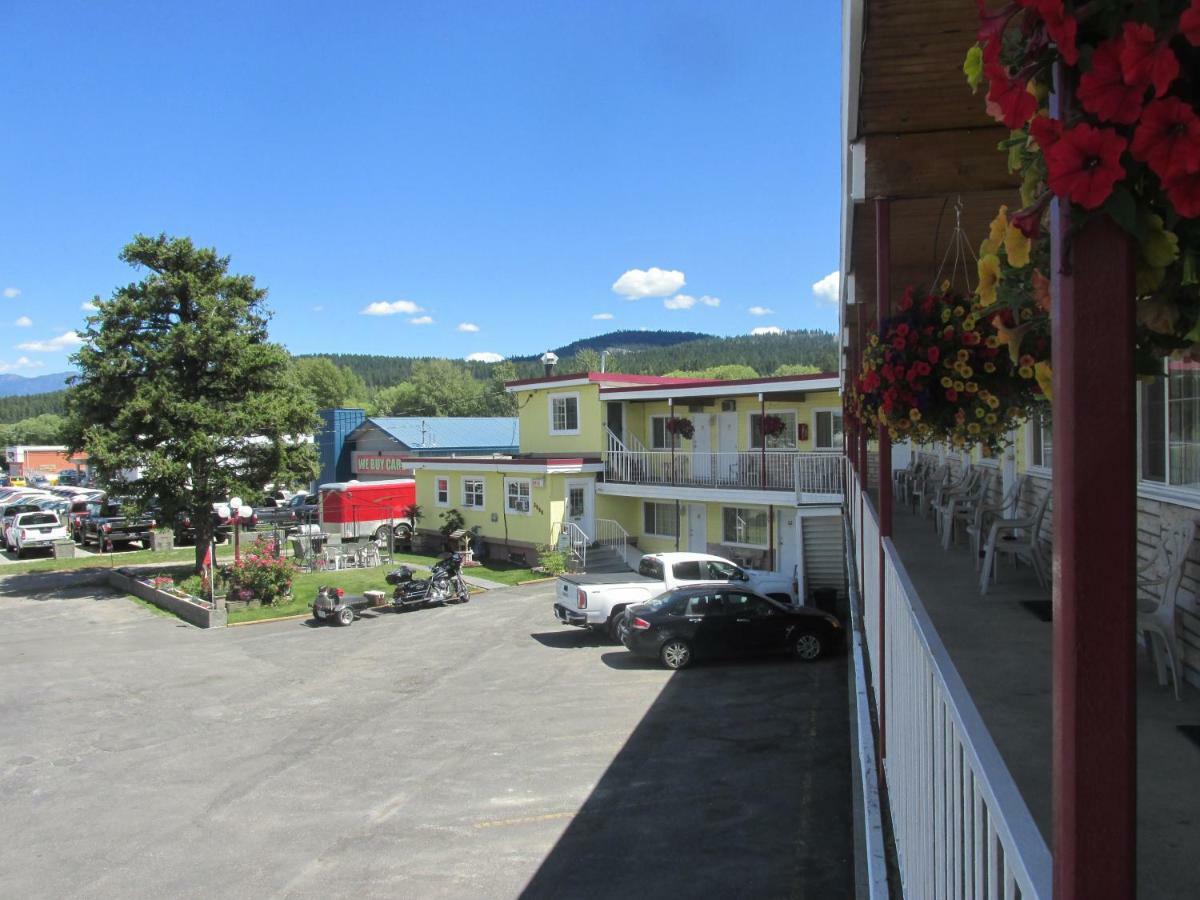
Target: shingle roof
<point>431,432</point>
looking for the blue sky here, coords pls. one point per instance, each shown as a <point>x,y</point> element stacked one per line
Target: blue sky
<point>499,165</point>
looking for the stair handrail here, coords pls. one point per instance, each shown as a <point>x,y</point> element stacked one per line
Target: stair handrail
<point>576,541</point>
<point>612,534</point>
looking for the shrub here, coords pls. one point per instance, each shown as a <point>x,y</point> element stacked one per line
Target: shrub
<point>194,587</point>
<point>261,572</point>
<point>554,562</point>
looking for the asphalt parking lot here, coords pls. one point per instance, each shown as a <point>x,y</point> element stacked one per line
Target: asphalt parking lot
<point>472,751</point>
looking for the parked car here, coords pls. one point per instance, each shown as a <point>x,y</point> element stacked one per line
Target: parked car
<point>68,477</point>
<point>34,530</point>
<point>3,479</point>
<point>108,524</point>
<point>711,621</point>
<point>597,601</point>
<point>185,529</point>
<point>8,515</point>
<point>275,512</point>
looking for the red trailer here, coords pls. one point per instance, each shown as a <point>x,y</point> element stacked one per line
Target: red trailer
<point>356,509</point>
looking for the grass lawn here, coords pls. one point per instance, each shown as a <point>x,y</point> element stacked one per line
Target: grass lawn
<point>111,560</point>
<point>355,581</point>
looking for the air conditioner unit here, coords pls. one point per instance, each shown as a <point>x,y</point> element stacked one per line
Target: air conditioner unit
<point>695,407</point>
<point>728,406</point>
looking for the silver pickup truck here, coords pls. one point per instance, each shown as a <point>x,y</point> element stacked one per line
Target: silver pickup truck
<point>597,601</point>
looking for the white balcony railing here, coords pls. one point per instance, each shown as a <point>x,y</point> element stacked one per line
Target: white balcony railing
<point>815,473</point>
<point>961,826</point>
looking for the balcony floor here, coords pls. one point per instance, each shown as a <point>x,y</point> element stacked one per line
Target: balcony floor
<point>1003,652</point>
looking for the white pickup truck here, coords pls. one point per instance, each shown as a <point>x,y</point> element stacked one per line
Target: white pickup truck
<point>597,601</point>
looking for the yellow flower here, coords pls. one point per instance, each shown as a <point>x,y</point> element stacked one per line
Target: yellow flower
<point>915,415</point>
<point>992,341</point>
<point>874,340</point>
<point>1025,371</point>
<point>995,235</point>
<point>974,428</point>
<point>1010,336</point>
<point>959,386</point>
<point>973,67</point>
<point>1045,378</point>
<point>989,277</point>
<point>1016,247</point>
<point>963,356</point>
<point>990,418</point>
<point>947,381</point>
<point>970,322</point>
<point>1026,313</point>
<point>945,315</point>
<point>972,387</point>
<point>967,371</point>
<point>959,311</point>
<point>993,402</point>
<point>979,412</point>
<point>989,367</point>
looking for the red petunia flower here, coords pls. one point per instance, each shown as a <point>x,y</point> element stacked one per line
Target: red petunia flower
<point>1061,27</point>
<point>1085,164</point>
<point>991,26</point>
<point>1046,131</point>
<point>1103,90</point>
<point>1183,190</point>
<point>1145,60</point>
<point>934,355</point>
<point>1189,23</point>
<point>1168,137</point>
<point>1008,101</point>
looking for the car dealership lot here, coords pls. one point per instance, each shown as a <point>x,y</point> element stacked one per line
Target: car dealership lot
<point>474,751</point>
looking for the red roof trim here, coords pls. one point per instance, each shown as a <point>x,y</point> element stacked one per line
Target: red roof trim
<point>504,461</point>
<point>701,382</point>
<point>601,377</point>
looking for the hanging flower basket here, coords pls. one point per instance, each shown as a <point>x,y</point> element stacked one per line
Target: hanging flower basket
<point>1129,147</point>
<point>772,426</point>
<point>933,374</point>
<point>681,427</point>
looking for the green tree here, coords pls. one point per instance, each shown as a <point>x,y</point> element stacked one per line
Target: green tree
<point>730,372</point>
<point>796,369</point>
<point>327,383</point>
<point>179,382</point>
<point>585,360</point>
<point>499,401</point>
<point>437,387</point>
<point>43,429</point>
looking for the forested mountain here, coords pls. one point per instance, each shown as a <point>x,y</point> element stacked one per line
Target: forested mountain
<point>14,409</point>
<point>21,385</point>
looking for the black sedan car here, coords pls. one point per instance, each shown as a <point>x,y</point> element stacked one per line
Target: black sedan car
<point>709,621</point>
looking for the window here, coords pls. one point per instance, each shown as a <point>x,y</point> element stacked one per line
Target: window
<point>704,605</point>
<point>473,492</point>
<point>1169,427</point>
<point>1041,444</point>
<point>441,488</point>
<point>745,526</point>
<point>660,438</point>
<point>576,508</point>
<point>660,519</point>
<point>786,439</point>
<point>516,492</point>
<point>745,606</point>
<point>687,571</point>
<point>828,429</point>
<point>650,567</point>
<point>722,571</point>
<point>564,414</point>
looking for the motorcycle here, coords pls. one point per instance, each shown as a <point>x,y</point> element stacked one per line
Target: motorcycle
<point>444,585</point>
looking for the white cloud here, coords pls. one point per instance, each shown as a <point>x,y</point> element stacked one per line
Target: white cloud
<point>828,290</point>
<point>23,363</point>
<point>767,329</point>
<point>761,311</point>
<point>10,293</point>
<point>602,317</point>
<point>386,308</point>
<point>679,301</point>
<point>485,357</point>
<point>652,282</point>
<point>23,322</point>
<point>468,326</point>
<point>710,301</point>
<point>421,320</point>
<point>88,306</point>
<point>62,342</point>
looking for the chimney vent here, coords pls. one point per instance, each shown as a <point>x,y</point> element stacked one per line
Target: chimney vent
<point>549,360</point>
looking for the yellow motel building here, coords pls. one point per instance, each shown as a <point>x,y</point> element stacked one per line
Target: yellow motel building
<point>612,466</point>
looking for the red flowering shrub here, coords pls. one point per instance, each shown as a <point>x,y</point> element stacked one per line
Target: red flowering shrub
<point>1129,148</point>
<point>261,573</point>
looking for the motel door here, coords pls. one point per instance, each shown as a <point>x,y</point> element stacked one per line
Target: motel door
<point>787,541</point>
<point>697,518</point>
<point>727,444</point>
<point>581,500</point>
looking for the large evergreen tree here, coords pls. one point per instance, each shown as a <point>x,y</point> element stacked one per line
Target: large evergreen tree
<point>179,381</point>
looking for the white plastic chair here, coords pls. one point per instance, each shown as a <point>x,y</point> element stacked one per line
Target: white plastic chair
<point>1019,538</point>
<point>1156,616</point>
<point>944,499</point>
<point>985,513</point>
<point>927,488</point>
<point>959,506</point>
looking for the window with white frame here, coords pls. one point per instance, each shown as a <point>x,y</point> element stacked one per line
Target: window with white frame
<point>441,490</point>
<point>516,495</point>
<point>564,414</point>
<point>473,492</point>
<point>661,519</point>
<point>1041,442</point>
<point>660,437</point>
<point>827,429</point>
<point>1169,426</point>
<point>745,526</point>
<point>785,440</point>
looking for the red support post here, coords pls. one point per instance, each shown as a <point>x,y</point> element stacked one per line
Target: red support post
<point>883,291</point>
<point>1095,558</point>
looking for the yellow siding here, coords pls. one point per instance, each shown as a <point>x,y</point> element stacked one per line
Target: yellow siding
<point>534,415</point>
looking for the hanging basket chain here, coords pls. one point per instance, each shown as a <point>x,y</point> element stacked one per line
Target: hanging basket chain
<point>959,253</point>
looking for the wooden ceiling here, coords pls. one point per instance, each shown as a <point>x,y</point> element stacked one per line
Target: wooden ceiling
<point>927,139</point>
